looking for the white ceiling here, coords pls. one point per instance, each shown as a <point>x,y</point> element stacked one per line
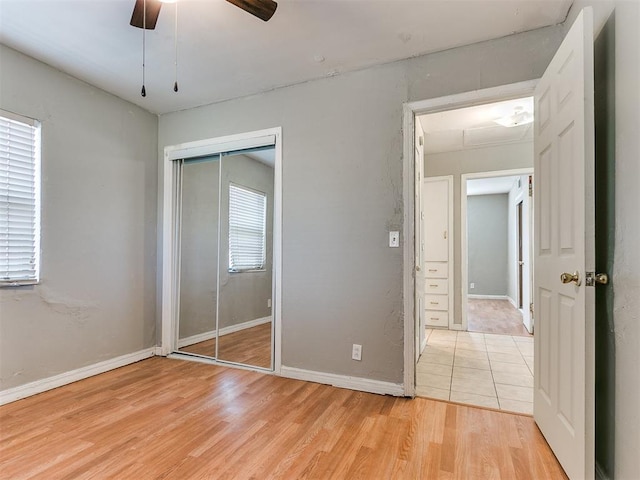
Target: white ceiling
<point>226,53</point>
<point>268,156</point>
<point>474,127</point>
<point>488,186</point>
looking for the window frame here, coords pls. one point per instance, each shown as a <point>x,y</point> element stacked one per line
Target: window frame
<point>37,196</point>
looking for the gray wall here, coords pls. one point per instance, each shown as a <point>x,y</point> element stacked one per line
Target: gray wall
<point>622,323</point>
<point>488,159</point>
<point>199,247</point>
<point>342,191</point>
<point>487,234</point>
<point>626,270</point>
<point>96,300</point>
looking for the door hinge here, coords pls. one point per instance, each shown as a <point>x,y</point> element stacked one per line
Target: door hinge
<point>531,308</point>
<point>593,278</point>
<point>530,186</point>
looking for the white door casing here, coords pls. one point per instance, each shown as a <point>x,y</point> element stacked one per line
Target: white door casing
<point>419,240</point>
<point>564,242</point>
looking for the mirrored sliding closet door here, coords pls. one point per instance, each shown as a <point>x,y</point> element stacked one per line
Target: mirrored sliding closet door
<point>225,256</point>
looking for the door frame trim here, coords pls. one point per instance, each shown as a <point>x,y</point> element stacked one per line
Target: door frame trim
<point>409,111</point>
<point>167,226</point>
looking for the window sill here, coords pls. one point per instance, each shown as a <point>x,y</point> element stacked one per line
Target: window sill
<point>18,283</point>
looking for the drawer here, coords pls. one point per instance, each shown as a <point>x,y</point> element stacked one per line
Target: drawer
<point>436,285</point>
<point>436,269</point>
<point>436,319</point>
<point>436,302</point>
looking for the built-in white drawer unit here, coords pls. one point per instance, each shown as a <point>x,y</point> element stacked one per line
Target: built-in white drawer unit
<point>437,237</point>
<point>436,286</point>
<point>436,269</point>
<point>435,318</point>
<point>436,302</point>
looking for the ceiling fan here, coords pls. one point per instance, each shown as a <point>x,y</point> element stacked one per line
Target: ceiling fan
<point>263,9</point>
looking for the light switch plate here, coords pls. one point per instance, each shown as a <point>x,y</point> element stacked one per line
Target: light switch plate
<point>394,239</point>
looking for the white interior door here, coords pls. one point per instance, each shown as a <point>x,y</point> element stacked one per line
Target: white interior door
<point>564,242</point>
<point>419,240</point>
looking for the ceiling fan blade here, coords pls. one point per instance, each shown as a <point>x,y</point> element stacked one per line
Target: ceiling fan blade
<point>153,10</point>
<point>263,9</point>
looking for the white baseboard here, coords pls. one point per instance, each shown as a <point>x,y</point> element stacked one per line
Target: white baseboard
<point>244,325</point>
<point>344,381</point>
<point>513,302</point>
<point>488,297</point>
<point>202,337</point>
<point>39,386</point>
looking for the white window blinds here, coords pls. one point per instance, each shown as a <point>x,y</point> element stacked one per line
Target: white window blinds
<point>19,200</point>
<point>247,224</point>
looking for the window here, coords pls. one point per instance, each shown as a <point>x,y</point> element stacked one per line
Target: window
<point>247,225</point>
<point>19,200</point>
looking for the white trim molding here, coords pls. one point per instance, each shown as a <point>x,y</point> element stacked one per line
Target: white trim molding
<point>344,381</point>
<point>39,386</point>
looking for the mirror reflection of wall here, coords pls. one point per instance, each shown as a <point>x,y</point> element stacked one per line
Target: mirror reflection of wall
<point>226,251</point>
<point>199,217</point>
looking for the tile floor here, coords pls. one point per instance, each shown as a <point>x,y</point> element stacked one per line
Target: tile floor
<point>483,369</point>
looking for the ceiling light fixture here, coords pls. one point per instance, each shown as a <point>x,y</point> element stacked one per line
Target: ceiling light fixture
<point>520,117</point>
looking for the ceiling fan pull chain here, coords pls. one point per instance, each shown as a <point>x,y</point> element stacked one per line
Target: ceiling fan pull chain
<point>175,36</point>
<point>143,92</point>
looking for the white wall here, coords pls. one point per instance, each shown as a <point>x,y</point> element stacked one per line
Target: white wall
<point>342,191</point>
<point>96,299</point>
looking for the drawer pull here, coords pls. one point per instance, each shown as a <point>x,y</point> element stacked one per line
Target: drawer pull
<point>435,318</point>
<point>434,286</point>
<point>434,303</point>
<point>433,269</point>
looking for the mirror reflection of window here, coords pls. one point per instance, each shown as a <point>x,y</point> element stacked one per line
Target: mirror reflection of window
<point>247,229</point>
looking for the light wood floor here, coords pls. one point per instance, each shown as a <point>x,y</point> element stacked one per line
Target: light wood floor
<point>251,346</point>
<point>174,419</point>
<point>494,316</point>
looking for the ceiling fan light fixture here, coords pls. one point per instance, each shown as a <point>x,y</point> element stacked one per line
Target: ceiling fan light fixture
<point>519,118</point>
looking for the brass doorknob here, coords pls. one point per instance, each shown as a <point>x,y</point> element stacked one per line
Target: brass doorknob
<point>570,277</point>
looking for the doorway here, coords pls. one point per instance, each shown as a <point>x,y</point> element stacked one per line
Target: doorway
<point>496,253</point>
<point>457,364</point>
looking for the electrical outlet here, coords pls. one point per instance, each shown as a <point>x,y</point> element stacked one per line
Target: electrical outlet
<point>356,352</point>
<point>472,285</point>
<point>269,303</point>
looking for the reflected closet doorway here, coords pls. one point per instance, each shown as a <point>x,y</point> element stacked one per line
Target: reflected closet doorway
<point>222,250</point>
